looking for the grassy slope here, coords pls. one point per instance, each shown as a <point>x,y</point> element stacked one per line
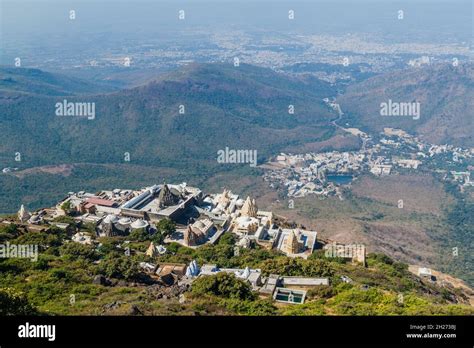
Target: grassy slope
<point>57,275</point>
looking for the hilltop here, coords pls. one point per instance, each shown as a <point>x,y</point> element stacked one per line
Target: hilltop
<point>26,81</point>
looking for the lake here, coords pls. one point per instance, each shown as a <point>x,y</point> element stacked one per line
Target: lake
<point>340,179</point>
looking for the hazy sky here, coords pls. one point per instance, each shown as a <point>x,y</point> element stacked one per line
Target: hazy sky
<point>444,20</point>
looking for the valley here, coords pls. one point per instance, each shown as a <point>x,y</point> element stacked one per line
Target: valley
<point>157,143</point>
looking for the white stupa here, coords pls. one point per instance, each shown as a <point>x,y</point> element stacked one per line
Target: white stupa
<point>23,214</point>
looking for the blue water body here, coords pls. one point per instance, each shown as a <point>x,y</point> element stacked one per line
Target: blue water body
<point>340,179</point>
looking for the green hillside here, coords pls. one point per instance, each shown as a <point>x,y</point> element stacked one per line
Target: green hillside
<point>240,107</point>
<point>445,94</point>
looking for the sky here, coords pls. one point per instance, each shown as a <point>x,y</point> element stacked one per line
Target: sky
<point>436,19</point>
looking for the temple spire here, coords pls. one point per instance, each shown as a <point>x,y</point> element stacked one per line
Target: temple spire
<point>249,208</point>
<point>166,197</point>
<point>292,246</point>
<point>23,214</point>
<point>151,251</point>
<point>190,237</point>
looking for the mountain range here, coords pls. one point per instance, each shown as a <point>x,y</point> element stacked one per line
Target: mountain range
<point>222,106</point>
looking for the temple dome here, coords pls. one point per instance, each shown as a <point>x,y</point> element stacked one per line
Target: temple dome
<point>34,219</point>
<point>125,221</point>
<point>111,219</point>
<point>216,211</point>
<point>245,221</point>
<point>139,224</point>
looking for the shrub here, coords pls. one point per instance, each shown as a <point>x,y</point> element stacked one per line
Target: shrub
<point>65,219</point>
<point>42,239</point>
<point>227,239</point>
<point>323,291</point>
<point>257,307</point>
<point>67,207</point>
<point>8,232</point>
<point>74,251</point>
<point>13,302</point>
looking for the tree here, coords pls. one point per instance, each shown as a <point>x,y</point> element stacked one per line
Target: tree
<point>166,227</point>
<point>67,207</point>
<point>43,239</point>
<point>382,258</point>
<point>227,239</point>
<point>139,235</point>
<point>8,232</point>
<point>158,238</point>
<point>298,267</point>
<point>108,245</point>
<point>14,302</point>
<point>257,307</point>
<point>10,229</point>
<point>89,227</point>
<point>120,267</point>
<point>224,285</point>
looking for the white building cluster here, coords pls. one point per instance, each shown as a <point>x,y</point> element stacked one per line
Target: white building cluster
<point>199,219</point>
<point>396,150</point>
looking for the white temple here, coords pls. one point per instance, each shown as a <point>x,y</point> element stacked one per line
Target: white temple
<point>244,274</point>
<point>192,270</point>
<point>249,208</point>
<point>23,214</point>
